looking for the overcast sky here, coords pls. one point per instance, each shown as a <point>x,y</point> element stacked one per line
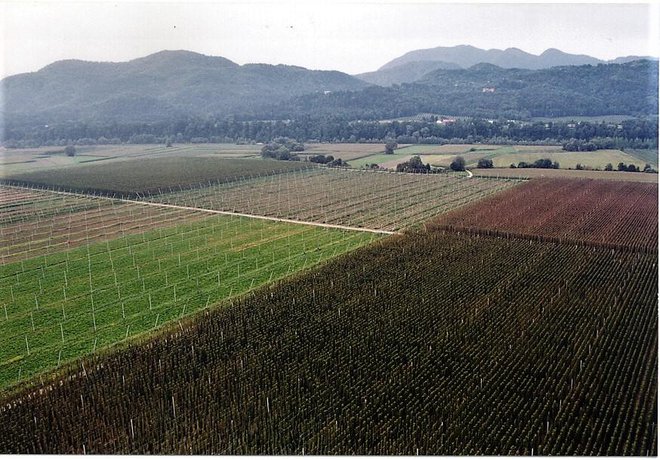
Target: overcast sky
<point>353,37</point>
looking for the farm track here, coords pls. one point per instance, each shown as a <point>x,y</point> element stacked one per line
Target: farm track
<point>215,211</point>
<point>364,199</point>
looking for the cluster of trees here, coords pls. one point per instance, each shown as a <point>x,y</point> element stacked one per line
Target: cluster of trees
<point>282,148</point>
<point>630,167</point>
<point>328,160</point>
<point>543,163</point>
<point>575,145</point>
<point>390,146</point>
<point>485,163</point>
<point>458,164</point>
<point>414,165</point>
<point>633,133</point>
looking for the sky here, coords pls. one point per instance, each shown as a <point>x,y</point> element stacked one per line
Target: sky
<point>350,36</point>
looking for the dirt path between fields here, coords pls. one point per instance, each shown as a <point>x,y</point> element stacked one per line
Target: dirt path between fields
<point>213,211</point>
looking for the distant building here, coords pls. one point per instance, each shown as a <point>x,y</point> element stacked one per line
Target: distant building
<point>446,121</point>
<point>487,89</point>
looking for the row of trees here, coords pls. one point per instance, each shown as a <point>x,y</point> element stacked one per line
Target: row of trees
<point>328,160</point>
<point>634,133</point>
<point>543,163</point>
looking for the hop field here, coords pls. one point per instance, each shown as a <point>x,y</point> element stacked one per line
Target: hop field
<point>77,281</point>
<point>424,343</point>
<point>376,200</point>
<point>35,223</point>
<point>136,177</point>
<point>606,213</point>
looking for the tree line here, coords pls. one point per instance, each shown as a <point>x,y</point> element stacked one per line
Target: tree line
<point>633,133</point>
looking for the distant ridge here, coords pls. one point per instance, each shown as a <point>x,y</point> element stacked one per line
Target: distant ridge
<point>466,56</point>
<point>407,69</point>
<point>160,86</point>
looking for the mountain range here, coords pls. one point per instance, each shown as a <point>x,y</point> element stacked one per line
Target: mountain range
<point>489,91</point>
<point>406,68</point>
<point>160,86</point>
<point>171,85</point>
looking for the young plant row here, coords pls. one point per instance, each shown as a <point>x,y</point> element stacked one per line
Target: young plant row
<point>421,344</point>
<point>62,305</point>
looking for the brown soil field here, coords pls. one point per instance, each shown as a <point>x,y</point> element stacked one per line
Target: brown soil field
<point>531,173</point>
<point>63,225</point>
<point>604,213</point>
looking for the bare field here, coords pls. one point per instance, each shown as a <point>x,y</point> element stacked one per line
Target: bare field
<point>34,223</point>
<point>531,173</point>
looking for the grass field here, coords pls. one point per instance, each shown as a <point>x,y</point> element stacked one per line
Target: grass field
<point>375,200</point>
<point>346,152</point>
<point>649,156</point>
<point>18,161</point>
<point>149,175</point>
<point>503,155</point>
<point>568,160</point>
<point>59,306</point>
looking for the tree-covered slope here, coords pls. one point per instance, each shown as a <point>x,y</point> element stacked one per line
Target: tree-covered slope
<point>161,86</point>
<point>490,91</point>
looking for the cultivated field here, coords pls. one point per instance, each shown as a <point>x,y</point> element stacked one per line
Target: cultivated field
<point>607,213</point>
<point>152,175</point>
<point>532,173</point>
<point>16,161</point>
<point>508,318</point>
<point>376,200</point>
<point>594,160</point>
<point>36,223</point>
<point>346,152</point>
<point>59,306</point>
<point>503,156</point>
<point>425,344</point>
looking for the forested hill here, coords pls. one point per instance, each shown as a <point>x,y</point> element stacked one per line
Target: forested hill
<point>162,86</point>
<point>485,90</point>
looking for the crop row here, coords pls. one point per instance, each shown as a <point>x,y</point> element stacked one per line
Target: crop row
<point>22,205</point>
<point>58,306</point>
<point>62,228</point>
<point>421,344</point>
<point>607,213</point>
<point>137,177</point>
<point>387,201</point>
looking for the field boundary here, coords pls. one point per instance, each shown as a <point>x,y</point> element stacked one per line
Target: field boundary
<point>491,233</point>
<point>208,211</point>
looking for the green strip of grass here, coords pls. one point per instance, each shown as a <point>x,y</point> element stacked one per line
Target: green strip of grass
<point>62,306</point>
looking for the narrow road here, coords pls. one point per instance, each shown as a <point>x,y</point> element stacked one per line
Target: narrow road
<point>211,211</point>
<point>469,173</point>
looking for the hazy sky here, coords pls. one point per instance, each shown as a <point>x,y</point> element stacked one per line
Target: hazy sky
<point>351,36</point>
